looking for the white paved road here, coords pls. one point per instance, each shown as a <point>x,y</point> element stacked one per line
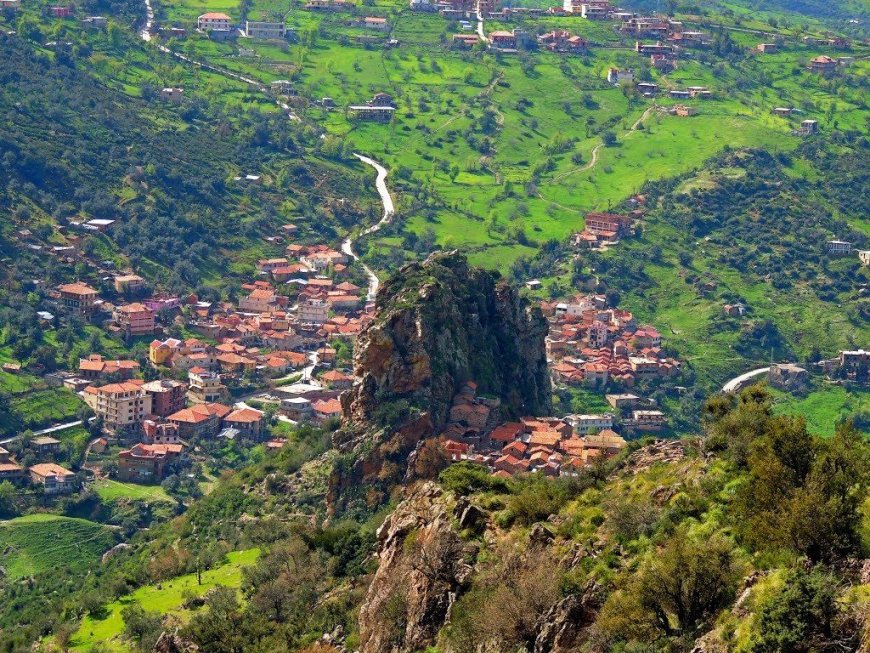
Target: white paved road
<point>737,382</point>
<point>389,210</point>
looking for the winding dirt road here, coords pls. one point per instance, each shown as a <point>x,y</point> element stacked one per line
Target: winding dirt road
<point>389,210</point>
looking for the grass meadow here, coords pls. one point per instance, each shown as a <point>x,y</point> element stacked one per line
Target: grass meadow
<point>166,598</point>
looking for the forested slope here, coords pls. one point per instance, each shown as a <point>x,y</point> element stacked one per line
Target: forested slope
<point>73,148</point>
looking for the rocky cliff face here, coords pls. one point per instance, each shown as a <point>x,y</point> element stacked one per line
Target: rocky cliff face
<point>422,567</point>
<point>425,566</point>
<point>439,324</point>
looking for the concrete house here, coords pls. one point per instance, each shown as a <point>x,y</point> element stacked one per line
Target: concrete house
<point>838,247</point>
<point>214,21</point>
<point>617,76</point>
<point>264,30</point>
<point>823,65</point>
<point>171,94</point>
<point>78,298</point>
<point>53,478</point>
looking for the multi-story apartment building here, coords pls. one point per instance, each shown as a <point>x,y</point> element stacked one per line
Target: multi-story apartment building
<point>119,404</point>
<point>205,387</point>
<point>129,282</point>
<point>314,311</point>
<point>261,30</point>
<point>167,396</point>
<point>135,319</point>
<point>78,298</point>
<point>214,21</point>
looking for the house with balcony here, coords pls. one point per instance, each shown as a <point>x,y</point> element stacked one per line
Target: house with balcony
<point>121,405</point>
<point>249,422</point>
<point>78,298</point>
<point>134,320</point>
<point>205,386</point>
<point>147,463</point>
<point>200,420</point>
<point>214,21</point>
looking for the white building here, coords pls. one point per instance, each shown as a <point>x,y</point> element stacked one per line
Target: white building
<point>652,420</point>
<point>214,21</point>
<point>838,247</point>
<point>617,76</point>
<point>205,387</point>
<point>585,424</point>
<point>313,311</point>
<point>171,94</point>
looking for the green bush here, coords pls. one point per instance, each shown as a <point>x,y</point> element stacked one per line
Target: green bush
<point>466,478</point>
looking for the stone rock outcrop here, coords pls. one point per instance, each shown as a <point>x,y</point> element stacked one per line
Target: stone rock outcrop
<point>422,569</point>
<point>563,628</point>
<point>172,643</point>
<point>660,451</point>
<point>438,325</point>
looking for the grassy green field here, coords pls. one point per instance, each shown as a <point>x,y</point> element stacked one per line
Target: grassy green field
<point>166,598</point>
<point>38,543</point>
<point>824,406</point>
<point>543,148</point>
<point>111,490</point>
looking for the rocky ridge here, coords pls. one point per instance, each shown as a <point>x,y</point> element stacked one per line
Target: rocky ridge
<point>439,324</point>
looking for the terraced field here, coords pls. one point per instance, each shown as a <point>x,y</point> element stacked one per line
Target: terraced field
<point>38,543</point>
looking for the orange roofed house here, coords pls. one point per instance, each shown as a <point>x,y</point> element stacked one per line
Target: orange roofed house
<point>160,352</point>
<point>119,404</point>
<point>823,65</point>
<point>214,21</point>
<point>78,298</point>
<point>96,367</point>
<point>247,421</point>
<point>135,319</point>
<point>146,463</point>
<point>608,224</point>
<point>202,420</point>
<point>53,478</point>
<point>260,300</point>
<point>325,409</point>
<point>503,40</point>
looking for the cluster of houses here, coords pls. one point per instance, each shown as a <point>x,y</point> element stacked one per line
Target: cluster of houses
<point>236,345</point>
<point>851,365</point>
<point>62,12</point>
<point>221,27</point>
<point>822,64</point>
<point>557,40</point>
<point>662,28</point>
<point>547,445</point>
<point>47,475</point>
<point>591,345</point>
<point>560,40</point>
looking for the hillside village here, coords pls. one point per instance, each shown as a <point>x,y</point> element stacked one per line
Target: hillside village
<point>659,41</point>
<point>230,371</point>
<point>285,341</point>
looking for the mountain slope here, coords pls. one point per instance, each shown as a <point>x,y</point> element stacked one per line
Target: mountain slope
<point>74,148</point>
